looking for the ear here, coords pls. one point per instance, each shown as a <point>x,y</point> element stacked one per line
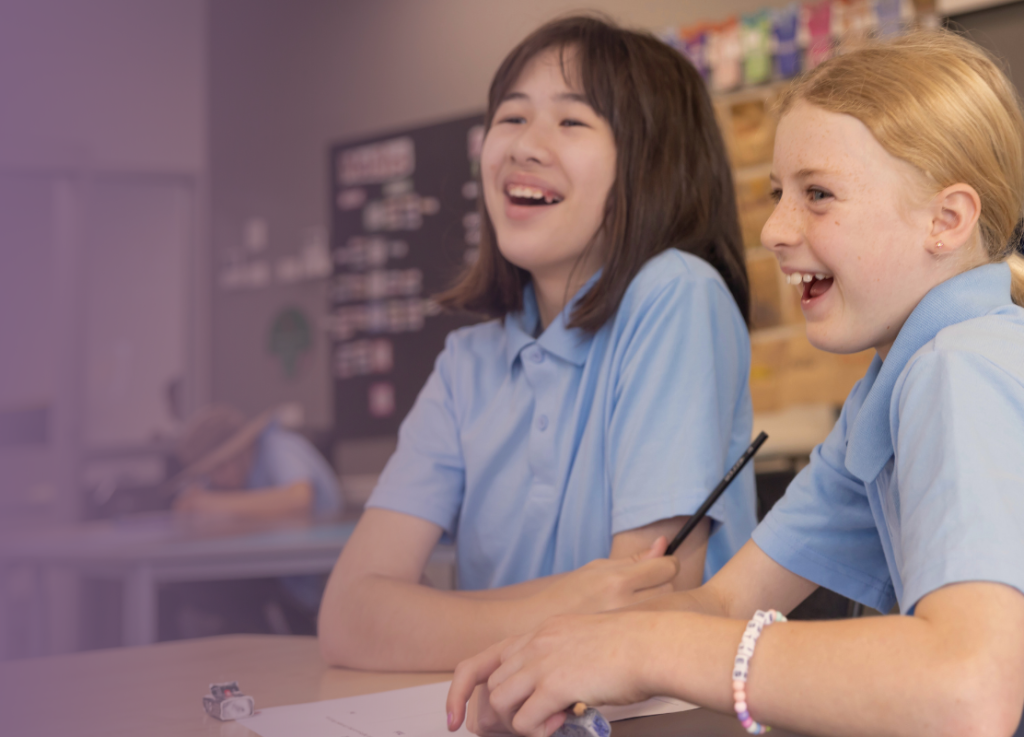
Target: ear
<point>955,213</point>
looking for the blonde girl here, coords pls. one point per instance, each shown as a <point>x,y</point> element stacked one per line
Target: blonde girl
<point>899,176</point>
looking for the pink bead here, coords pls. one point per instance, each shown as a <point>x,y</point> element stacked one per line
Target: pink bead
<point>747,723</point>
<point>741,706</point>
<point>738,685</point>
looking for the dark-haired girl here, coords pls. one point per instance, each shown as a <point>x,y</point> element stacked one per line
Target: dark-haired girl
<point>561,442</point>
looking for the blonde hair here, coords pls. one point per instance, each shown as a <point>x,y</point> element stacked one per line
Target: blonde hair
<point>943,105</point>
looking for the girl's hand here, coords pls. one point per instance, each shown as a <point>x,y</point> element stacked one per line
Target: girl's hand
<point>481,718</point>
<point>597,659</point>
<point>608,583</point>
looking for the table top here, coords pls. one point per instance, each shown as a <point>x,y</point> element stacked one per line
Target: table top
<point>157,690</point>
<point>166,536</point>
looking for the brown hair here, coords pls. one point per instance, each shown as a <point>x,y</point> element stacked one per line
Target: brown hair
<point>940,103</point>
<point>673,186</point>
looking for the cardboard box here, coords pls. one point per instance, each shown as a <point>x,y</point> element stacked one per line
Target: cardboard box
<point>750,133</point>
<point>786,370</point>
<point>755,206</point>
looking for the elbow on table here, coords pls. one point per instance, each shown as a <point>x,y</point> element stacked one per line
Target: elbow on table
<point>347,638</point>
<point>338,647</point>
<point>332,648</point>
<point>996,720</point>
<point>980,705</point>
<point>334,639</point>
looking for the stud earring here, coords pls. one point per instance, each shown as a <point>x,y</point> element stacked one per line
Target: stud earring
<point>938,245</point>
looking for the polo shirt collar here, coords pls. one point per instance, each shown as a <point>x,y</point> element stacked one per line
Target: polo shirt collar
<point>968,295</point>
<point>570,344</point>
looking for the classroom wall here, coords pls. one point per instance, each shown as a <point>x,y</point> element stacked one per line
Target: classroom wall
<point>102,155</point>
<point>110,84</point>
<point>287,79</point>
<point>1000,30</point>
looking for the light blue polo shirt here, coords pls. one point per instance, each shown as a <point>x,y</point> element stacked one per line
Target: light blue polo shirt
<point>921,482</point>
<point>283,457</point>
<point>534,451</point>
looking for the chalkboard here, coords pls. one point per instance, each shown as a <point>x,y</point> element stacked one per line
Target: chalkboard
<point>404,224</point>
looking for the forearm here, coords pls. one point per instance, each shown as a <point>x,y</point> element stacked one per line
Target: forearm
<point>748,582</point>
<point>879,675</point>
<point>515,591</point>
<point>698,601</point>
<point>380,623</point>
<point>295,498</point>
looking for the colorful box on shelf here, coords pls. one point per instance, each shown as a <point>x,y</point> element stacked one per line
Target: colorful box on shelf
<point>779,43</point>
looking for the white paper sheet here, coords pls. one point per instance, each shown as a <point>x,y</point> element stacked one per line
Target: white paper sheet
<point>409,712</point>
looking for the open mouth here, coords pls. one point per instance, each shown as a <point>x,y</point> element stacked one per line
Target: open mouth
<point>813,285</point>
<point>521,194</point>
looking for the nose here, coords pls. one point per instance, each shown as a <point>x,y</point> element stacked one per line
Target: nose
<point>782,229</point>
<point>532,145</point>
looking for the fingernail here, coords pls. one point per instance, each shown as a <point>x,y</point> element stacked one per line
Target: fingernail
<point>451,718</point>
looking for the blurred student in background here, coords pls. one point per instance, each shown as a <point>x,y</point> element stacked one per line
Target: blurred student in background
<point>247,470</point>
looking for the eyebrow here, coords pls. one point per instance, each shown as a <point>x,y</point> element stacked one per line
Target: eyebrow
<point>561,97</point>
<point>802,174</point>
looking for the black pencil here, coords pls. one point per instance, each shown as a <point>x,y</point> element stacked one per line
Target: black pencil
<point>716,492</point>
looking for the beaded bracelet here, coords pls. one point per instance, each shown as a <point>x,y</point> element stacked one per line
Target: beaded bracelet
<point>742,663</point>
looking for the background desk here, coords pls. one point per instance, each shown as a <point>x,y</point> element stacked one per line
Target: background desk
<point>144,552</point>
<point>157,690</point>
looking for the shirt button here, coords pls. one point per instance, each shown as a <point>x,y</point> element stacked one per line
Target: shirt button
<point>537,355</point>
<point>542,423</point>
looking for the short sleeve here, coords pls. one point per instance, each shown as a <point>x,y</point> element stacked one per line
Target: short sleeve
<point>681,400</point>
<point>425,476</point>
<point>960,468</point>
<point>823,528</point>
<point>284,457</point>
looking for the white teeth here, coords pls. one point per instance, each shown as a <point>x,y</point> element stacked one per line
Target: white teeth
<point>521,190</point>
<point>798,278</point>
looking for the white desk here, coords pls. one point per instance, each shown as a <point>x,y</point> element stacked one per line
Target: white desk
<point>150,550</point>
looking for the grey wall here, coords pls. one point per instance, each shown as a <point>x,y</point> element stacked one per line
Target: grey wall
<point>1001,31</point>
<point>93,96</point>
<point>110,84</point>
<point>289,78</point>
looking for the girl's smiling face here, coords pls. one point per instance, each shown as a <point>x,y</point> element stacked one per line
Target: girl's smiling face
<point>854,220</point>
<point>547,166</point>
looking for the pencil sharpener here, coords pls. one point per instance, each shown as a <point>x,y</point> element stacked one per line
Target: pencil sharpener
<point>226,702</point>
<point>590,723</point>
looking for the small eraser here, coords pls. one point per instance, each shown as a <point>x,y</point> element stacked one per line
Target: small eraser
<point>226,702</point>
<point>589,724</point>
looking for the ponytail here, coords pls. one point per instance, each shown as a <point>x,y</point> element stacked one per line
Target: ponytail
<point>1016,264</point>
